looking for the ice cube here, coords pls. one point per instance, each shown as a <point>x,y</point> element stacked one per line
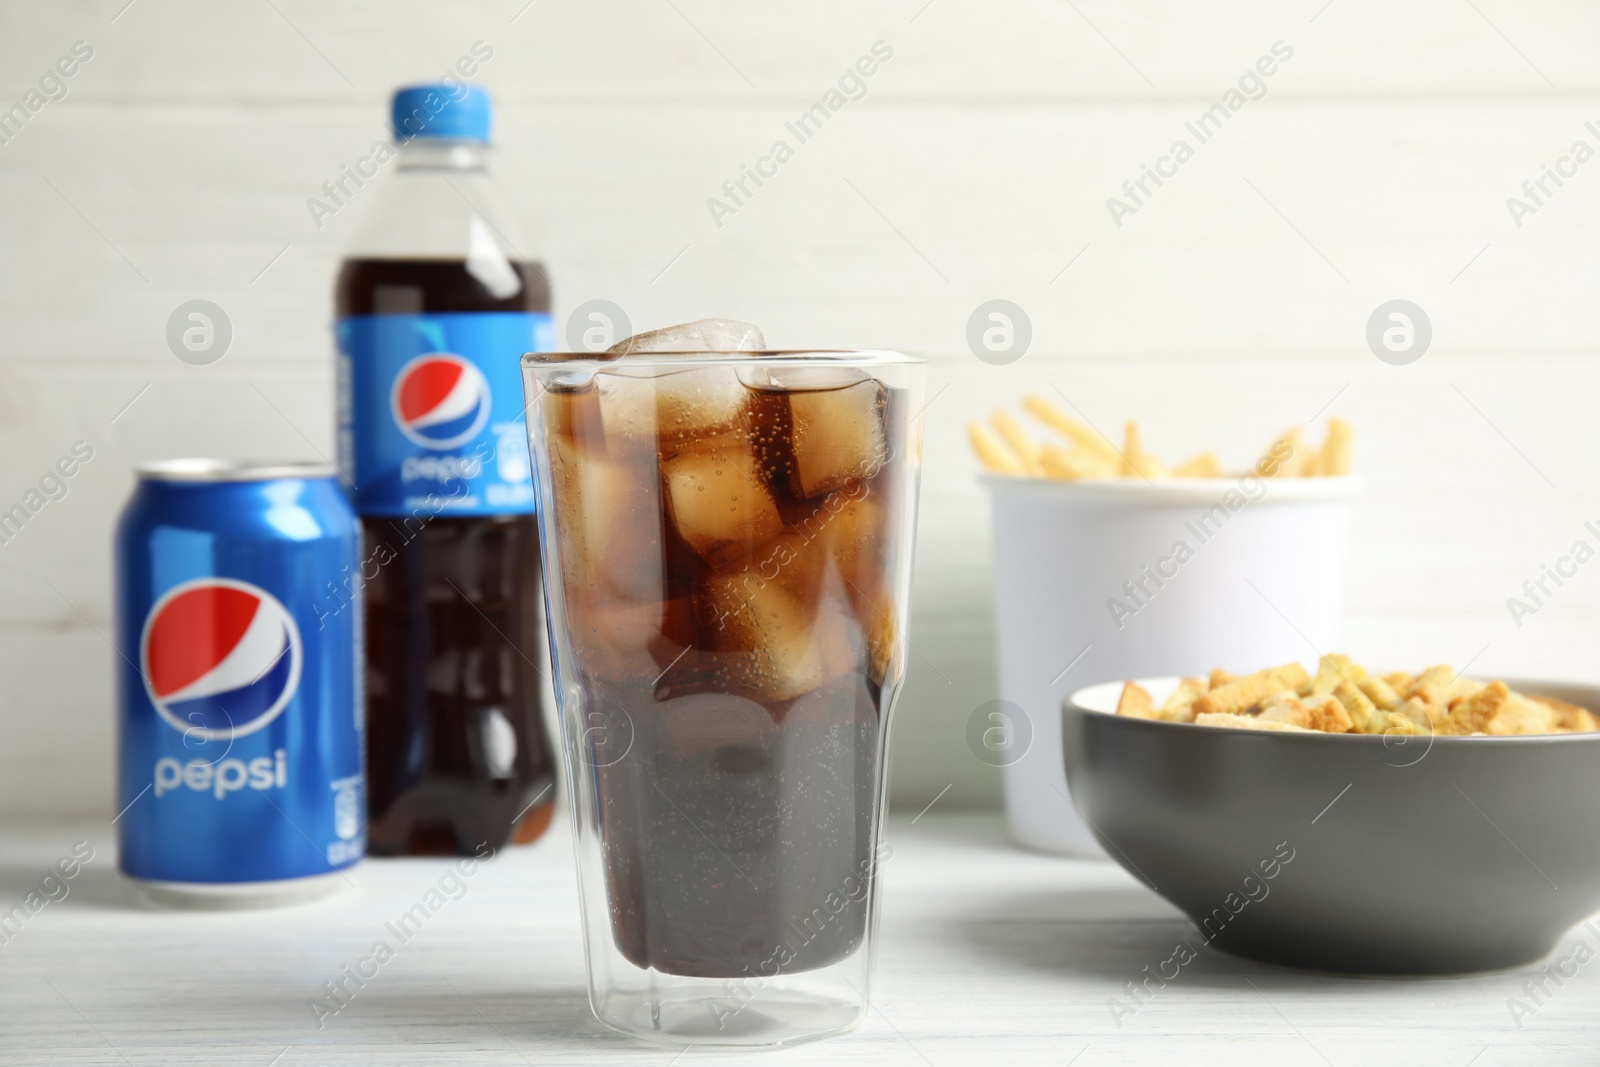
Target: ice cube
<point>609,639</point>
<point>792,376</point>
<point>702,335</point>
<point>838,437</point>
<point>719,501</point>
<point>627,407</point>
<point>838,702</point>
<point>624,641</point>
<point>843,535</point>
<point>707,722</point>
<point>609,516</point>
<point>771,649</point>
<point>700,402</point>
<point>833,563</point>
<point>885,664</point>
<point>838,627</point>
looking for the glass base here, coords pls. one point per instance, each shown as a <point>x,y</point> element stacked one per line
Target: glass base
<point>721,1015</point>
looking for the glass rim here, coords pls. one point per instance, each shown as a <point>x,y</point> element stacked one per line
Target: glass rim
<point>866,357</point>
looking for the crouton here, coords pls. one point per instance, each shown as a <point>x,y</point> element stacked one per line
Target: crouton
<point>1364,715</point>
<point>1344,697</point>
<point>1380,693</point>
<point>1395,723</point>
<point>1578,720</point>
<point>1328,715</point>
<point>1245,693</point>
<point>1519,715</point>
<point>1178,707</point>
<point>1331,670</point>
<point>1246,722</point>
<point>1472,715</point>
<point>1285,707</point>
<point>1136,701</point>
<point>1431,690</point>
<point>1570,717</point>
<point>1462,689</point>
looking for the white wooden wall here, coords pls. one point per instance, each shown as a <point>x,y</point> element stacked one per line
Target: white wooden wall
<point>977,166</point>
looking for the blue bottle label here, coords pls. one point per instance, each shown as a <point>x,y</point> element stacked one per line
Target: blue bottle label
<point>431,413</point>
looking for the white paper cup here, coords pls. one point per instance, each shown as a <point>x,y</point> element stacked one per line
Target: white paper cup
<point>1107,580</point>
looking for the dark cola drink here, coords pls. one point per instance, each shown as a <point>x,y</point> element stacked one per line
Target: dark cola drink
<point>435,308</point>
<point>734,552</point>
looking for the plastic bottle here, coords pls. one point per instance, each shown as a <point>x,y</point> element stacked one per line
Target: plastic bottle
<point>437,299</point>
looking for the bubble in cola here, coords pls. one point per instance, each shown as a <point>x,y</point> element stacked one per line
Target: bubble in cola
<point>730,552</point>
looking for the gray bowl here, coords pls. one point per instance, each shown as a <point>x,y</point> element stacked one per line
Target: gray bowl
<point>1354,854</point>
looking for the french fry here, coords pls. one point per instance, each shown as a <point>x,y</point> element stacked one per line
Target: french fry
<point>1132,446</point>
<point>1284,459</point>
<point>1205,465</point>
<point>1068,427</point>
<point>1059,463</point>
<point>1135,460</point>
<point>992,451</point>
<point>1338,449</point>
<point>1009,449</point>
<point>1074,464</point>
<point>1016,438</point>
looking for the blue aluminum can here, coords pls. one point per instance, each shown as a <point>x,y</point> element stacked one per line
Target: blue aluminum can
<point>240,741</point>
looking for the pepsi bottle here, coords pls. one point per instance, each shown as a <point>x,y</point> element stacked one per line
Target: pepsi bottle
<point>436,303</point>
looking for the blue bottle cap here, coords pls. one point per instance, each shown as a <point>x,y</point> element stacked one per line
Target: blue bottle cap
<point>458,112</point>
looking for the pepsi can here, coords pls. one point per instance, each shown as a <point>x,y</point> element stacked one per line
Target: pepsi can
<point>240,775</point>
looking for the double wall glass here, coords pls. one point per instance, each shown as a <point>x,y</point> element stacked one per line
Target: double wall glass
<point>728,542</point>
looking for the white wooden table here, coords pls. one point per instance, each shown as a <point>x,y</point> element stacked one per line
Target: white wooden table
<point>988,954</point>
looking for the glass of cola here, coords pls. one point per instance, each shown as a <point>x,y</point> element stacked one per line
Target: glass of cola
<point>728,540</point>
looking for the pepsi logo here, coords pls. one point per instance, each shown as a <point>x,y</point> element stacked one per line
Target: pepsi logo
<point>221,658</point>
<point>440,400</point>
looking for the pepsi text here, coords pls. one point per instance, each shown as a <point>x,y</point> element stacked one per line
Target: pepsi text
<point>223,777</point>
